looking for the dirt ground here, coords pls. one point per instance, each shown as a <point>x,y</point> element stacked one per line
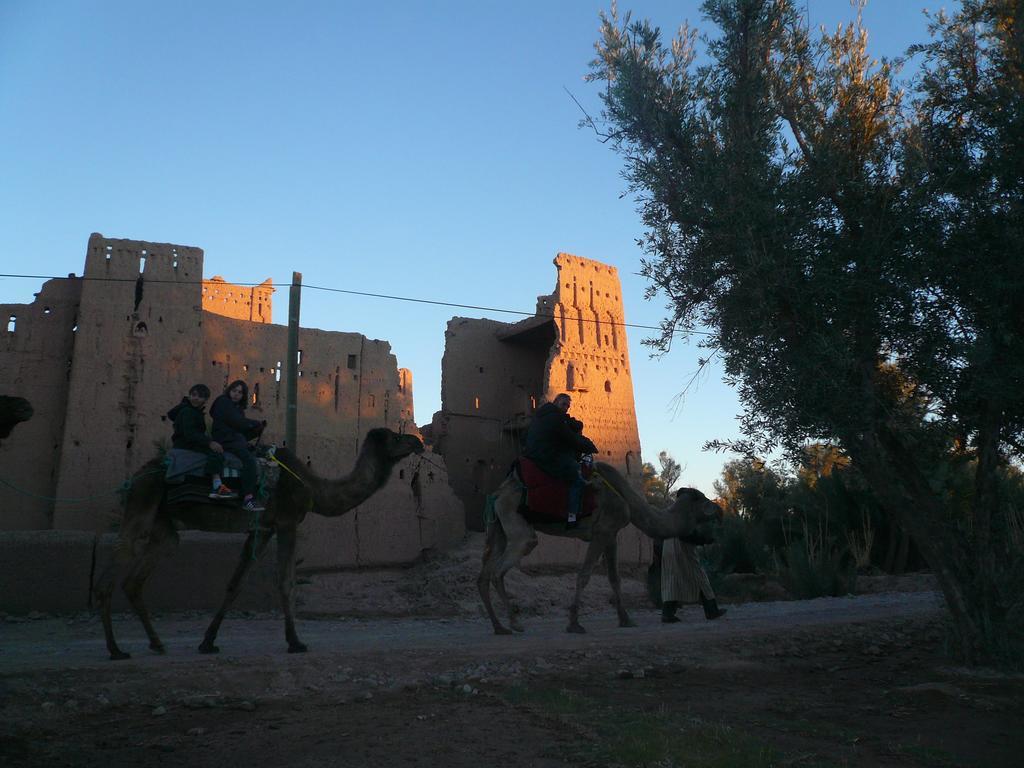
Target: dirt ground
<point>404,671</point>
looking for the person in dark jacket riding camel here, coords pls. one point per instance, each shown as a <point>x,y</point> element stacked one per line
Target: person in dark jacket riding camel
<point>555,442</point>
<point>190,434</point>
<point>234,431</point>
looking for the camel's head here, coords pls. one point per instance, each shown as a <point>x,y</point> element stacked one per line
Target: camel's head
<point>392,444</point>
<point>13,411</point>
<point>695,508</point>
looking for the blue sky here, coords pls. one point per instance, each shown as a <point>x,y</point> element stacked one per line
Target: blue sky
<point>427,150</point>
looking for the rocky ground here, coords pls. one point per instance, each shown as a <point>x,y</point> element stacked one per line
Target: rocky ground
<point>403,670</point>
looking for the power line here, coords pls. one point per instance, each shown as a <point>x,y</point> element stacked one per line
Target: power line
<point>367,294</point>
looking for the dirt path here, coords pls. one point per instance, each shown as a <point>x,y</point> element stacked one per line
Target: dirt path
<point>77,643</point>
<point>404,671</point>
<point>835,681</point>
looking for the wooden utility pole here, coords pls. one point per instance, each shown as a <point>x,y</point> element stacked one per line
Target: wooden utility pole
<point>292,371</point>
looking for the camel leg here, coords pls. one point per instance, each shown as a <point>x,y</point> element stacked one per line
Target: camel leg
<point>594,551</point>
<point>286,540</point>
<point>510,608</point>
<point>104,592</point>
<point>494,547</point>
<point>520,541</point>
<point>161,535</point>
<point>234,587</point>
<point>611,561</point>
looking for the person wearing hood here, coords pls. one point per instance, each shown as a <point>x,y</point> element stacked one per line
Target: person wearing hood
<point>190,434</point>
<point>233,430</point>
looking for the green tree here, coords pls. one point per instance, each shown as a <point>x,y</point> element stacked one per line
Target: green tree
<point>854,254</point>
<point>657,484</point>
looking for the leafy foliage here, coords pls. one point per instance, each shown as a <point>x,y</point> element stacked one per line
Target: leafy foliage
<point>853,251</point>
<point>657,484</point>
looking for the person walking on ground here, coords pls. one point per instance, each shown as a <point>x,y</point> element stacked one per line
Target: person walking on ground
<point>233,430</point>
<point>684,580</point>
<point>190,434</point>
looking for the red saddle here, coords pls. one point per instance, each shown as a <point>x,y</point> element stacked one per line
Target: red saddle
<point>547,497</point>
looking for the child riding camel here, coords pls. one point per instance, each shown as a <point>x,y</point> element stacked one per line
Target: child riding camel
<point>234,431</point>
<point>190,434</point>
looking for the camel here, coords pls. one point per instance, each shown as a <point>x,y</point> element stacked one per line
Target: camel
<point>13,411</point>
<point>150,523</point>
<point>511,537</point>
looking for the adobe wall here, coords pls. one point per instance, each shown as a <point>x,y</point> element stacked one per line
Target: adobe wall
<point>494,375</point>
<point>35,363</point>
<point>142,340</point>
<point>591,358</point>
<point>242,302</point>
<point>136,352</point>
<point>347,385</point>
<point>489,389</point>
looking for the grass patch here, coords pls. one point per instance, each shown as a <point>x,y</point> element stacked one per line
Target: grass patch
<point>552,701</point>
<point>633,739</point>
<point>926,755</point>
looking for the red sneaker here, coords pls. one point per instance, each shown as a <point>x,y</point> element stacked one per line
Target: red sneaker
<point>223,492</point>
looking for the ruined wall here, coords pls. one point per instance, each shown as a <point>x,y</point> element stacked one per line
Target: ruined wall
<point>36,343</point>
<point>242,302</point>
<point>495,374</point>
<point>142,340</point>
<point>489,389</point>
<point>136,352</point>
<point>347,385</point>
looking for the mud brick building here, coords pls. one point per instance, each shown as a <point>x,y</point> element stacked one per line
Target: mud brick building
<point>495,375</point>
<point>103,357</point>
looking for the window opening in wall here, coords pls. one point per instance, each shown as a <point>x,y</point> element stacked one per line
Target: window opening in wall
<point>481,369</point>
<point>533,403</point>
<point>255,393</point>
<point>245,369</point>
<point>372,400</point>
<point>109,249</point>
<point>476,403</point>
<point>46,310</point>
<point>141,329</point>
<point>351,361</point>
<point>11,322</point>
<point>298,358</point>
<point>74,328</point>
<point>142,263</point>
<point>607,386</point>
<point>277,372</point>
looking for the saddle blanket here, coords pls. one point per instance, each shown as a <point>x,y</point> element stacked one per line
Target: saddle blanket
<point>187,482</point>
<point>182,462</point>
<point>547,498</point>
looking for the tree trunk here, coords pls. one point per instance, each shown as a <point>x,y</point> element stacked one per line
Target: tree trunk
<point>905,495</point>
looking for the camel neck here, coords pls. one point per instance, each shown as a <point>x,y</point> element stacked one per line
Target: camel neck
<point>656,523</point>
<point>335,497</point>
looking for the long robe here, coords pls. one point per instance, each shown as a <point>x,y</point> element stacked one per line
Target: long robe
<point>682,576</point>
